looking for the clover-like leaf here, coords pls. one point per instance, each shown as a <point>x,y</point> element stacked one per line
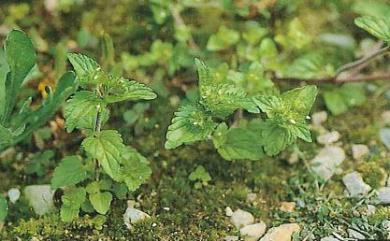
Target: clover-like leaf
<point>223,39</point>
<point>190,124</point>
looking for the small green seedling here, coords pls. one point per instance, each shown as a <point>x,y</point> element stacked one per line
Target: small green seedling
<point>219,98</point>
<point>200,176</point>
<point>108,166</point>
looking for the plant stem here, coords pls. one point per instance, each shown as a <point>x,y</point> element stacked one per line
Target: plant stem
<point>335,80</point>
<point>361,61</point>
<point>346,67</point>
<point>98,124</point>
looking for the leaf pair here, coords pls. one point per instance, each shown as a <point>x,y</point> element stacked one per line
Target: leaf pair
<point>286,118</point>
<point>218,99</point>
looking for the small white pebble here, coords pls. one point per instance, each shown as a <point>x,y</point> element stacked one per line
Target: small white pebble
<point>228,211</point>
<point>13,194</point>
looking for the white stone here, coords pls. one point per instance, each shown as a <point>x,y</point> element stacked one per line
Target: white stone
<point>40,198</point>
<point>355,184</point>
<point>228,211</point>
<point>231,238</point>
<point>329,238</point>
<point>384,195</point>
<point>241,218</point>
<point>253,232</point>
<point>327,160</point>
<point>293,158</point>
<point>355,234</point>
<point>251,197</point>
<point>133,215</point>
<point>370,209</point>
<point>384,134</point>
<point>319,117</point>
<point>359,151</point>
<point>287,206</point>
<point>281,233</point>
<point>13,195</point>
<point>328,138</point>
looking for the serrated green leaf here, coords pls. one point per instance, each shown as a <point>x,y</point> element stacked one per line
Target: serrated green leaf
<point>81,110</point>
<point>135,170</point>
<point>238,143</point>
<point>101,201</point>
<point>3,208</point>
<point>87,69</point>
<point>301,99</point>
<point>69,172</point>
<point>190,124</point>
<point>71,202</point>
<point>125,89</point>
<point>106,147</point>
<point>379,27</point>
<point>287,116</point>
<point>222,99</point>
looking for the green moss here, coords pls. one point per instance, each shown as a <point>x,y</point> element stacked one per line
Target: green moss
<point>373,174</point>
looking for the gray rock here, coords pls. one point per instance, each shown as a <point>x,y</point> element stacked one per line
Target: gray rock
<point>327,161</point>
<point>384,134</point>
<point>328,138</point>
<point>355,234</point>
<point>329,238</point>
<point>355,184</point>
<point>253,232</point>
<point>231,238</point>
<point>319,117</point>
<point>133,215</point>
<point>359,151</point>
<point>251,197</point>
<point>40,198</point>
<point>241,218</point>
<point>283,232</point>
<point>13,195</point>
<point>384,195</point>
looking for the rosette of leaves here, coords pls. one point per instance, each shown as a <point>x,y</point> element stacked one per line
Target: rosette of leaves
<point>219,98</point>
<point>109,167</point>
<point>16,62</point>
